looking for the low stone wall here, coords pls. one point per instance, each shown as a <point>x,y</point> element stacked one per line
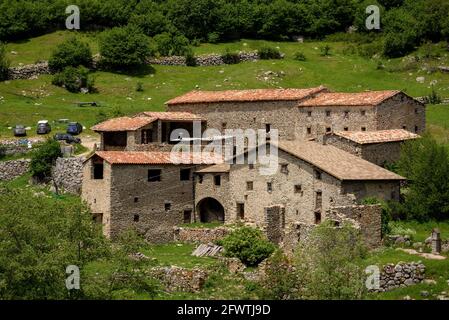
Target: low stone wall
<point>17,146</point>
<point>401,275</point>
<point>10,170</point>
<point>200,235</point>
<point>203,60</point>
<point>180,279</point>
<point>28,71</point>
<point>68,174</point>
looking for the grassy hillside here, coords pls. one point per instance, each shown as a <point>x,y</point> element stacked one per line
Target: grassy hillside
<point>26,101</point>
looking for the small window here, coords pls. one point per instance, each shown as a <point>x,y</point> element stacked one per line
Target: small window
<point>240,211</point>
<point>404,127</point>
<point>309,130</point>
<point>184,175</point>
<point>363,112</point>
<point>154,175</point>
<point>346,128</point>
<point>223,126</point>
<point>269,186</point>
<point>267,128</point>
<point>346,114</point>
<point>416,129</point>
<point>98,171</point>
<point>363,128</point>
<point>284,168</point>
<point>136,218</point>
<point>251,166</point>
<point>249,185</point>
<point>167,206</point>
<point>309,113</point>
<point>200,178</point>
<point>317,217</point>
<point>298,188</point>
<point>187,216</point>
<point>217,180</point>
<point>136,199</point>
<point>328,113</point>
<point>318,175</point>
<point>328,129</point>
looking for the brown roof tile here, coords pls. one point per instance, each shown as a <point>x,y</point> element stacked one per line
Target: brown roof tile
<point>174,116</point>
<point>336,162</point>
<point>123,124</point>
<point>365,137</point>
<point>245,95</point>
<point>157,157</point>
<point>368,98</point>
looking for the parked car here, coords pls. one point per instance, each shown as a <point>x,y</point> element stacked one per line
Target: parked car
<point>19,131</point>
<point>43,127</point>
<point>74,128</point>
<point>67,138</point>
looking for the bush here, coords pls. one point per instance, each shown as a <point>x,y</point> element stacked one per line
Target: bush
<point>299,56</point>
<point>213,37</point>
<point>168,44</point>
<point>73,79</point>
<point>124,48</point>
<point>70,53</point>
<point>43,158</point>
<point>325,50</point>
<point>230,57</point>
<point>4,63</point>
<point>433,97</point>
<point>190,59</point>
<point>139,86</point>
<point>247,244</point>
<point>269,53</point>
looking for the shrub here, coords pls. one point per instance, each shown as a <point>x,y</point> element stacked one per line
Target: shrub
<point>139,86</point>
<point>43,158</point>
<point>124,47</point>
<point>168,44</point>
<point>230,57</point>
<point>4,63</point>
<point>73,79</point>
<point>70,53</point>
<point>213,37</point>
<point>434,97</point>
<point>299,56</point>
<point>269,53</point>
<point>190,59</point>
<point>247,244</point>
<point>325,50</point>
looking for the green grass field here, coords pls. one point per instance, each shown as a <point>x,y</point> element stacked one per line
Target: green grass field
<point>27,101</point>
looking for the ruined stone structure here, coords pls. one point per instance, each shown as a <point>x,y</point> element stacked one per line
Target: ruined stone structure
<point>322,173</point>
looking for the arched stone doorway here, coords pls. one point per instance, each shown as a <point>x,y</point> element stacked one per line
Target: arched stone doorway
<point>210,210</point>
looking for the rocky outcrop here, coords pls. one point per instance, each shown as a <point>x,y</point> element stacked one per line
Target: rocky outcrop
<point>10,170</point>
<point>68,174</point>
<point>28,71</point>
<point>400,275</point>
<point>200,235</point>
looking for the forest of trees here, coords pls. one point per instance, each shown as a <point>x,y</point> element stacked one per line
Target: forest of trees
<point>404,23</point>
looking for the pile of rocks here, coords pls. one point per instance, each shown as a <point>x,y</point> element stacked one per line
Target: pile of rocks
<point>10,170</point>
<point>180,279</point>
<point>401,275</point>
<point>207,250</point>
<point>68,174</point>
<point>29,71</point>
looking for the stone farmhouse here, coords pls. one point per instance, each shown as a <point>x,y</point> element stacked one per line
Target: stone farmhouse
<point>331,149</point>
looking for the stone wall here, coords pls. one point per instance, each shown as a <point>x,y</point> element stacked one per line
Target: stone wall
<point>200,235</point>
<point>203,60</point>
<point>28,71</point>
<point>68,174</point>
<point>400,275</point>
<point>10,170</point>
<point>180,279</point>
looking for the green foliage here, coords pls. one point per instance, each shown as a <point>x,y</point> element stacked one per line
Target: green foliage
<point>426,166</point>
<point>401,33</point>
<point>124,48</point>
<point>43,158</point>
<point>70,53</point>
<point>4,63</point>
<point>299,56</point>
<point>325,50</point>
<point>269,53</point>
<point>169,44</point>
<point>213,37</point>
<point>433,97</point>
<point>190,59</point>
<point>247,244</point>
<point>74,79</point>
<point>230,57</point>
<point>139,86</point>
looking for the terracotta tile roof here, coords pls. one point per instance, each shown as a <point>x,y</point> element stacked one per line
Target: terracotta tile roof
<point>157,157</point>
<point>245,95</point>
<point>223,167</point>
<point>174,116</point>
<point>123,124</point>
<point>368,98</point>
<point>336,162</point>
<point>365,137</point>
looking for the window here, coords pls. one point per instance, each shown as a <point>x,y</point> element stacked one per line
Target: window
<point>136,218</point>
<point>318,200</point>
<point>328,129</point>
<point>249,185</point>
<point>269,186</point>
<point>223,126</point>
<point>404,127</point>
<point>363,112</point>
<point>217,180</point>
<point>317,174</point>
<point>147,136</point>
<point>200,178</point>
<point>184,174</point>
<point>309,113</point>
<point>240,211</point>
<point>284,168</point>
<point>98,171</point>
<point>346,128</point>
<point>317,217</point>
<point>267,127</point>
<point>328,113</point>
<point>363,128</point>
<point>167,206</point>
<point>416,128</point>
<point>298,188</point>
<point>309,130</point>
<point>154,175</point>
<point>136,199</point>
<point>187,216</point>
